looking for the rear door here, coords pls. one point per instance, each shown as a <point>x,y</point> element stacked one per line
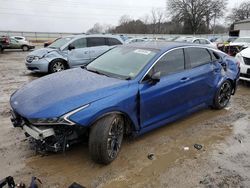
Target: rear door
<point>201,72</point>
<point>80,55</point>
<point>97,46</point>
<point>168,97</point>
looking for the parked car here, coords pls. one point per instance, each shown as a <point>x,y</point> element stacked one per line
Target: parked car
<point>71,51</point>
<point>132,40</point>
<point>130,90</point>
<point>241,42</point>
<point>196,40</point>
<point>4,42</point>
<point>244,58</point>
<point>19,44</point>
<point>19,38</point>
<point>224,40</point>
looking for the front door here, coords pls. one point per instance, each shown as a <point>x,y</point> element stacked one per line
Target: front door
<point>80,55</point>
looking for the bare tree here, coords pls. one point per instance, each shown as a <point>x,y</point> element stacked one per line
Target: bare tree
<point>157,18</point>
<point>195,14</point>
<point>97,28</point>
<point>240,13</point>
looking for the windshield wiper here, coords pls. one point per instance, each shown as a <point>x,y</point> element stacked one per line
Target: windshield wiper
<point>96,71</point>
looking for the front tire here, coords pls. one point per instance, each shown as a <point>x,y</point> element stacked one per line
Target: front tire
<point>105,139</point>
<point>57,66</point>
<point>223,95</point>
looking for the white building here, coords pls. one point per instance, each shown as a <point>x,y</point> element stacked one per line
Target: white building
<point>243,27</point>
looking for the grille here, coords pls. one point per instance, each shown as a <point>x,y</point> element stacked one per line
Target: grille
<point>246,60</point>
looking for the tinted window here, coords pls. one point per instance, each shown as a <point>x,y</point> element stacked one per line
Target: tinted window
<point>198,56</point>
<point>80,43</point>
<point>113,41</point>
<point>203,41</point>
<point>214,56</point>
<point>170,63</point>
<point>197,41</point>
<point>96,41</point>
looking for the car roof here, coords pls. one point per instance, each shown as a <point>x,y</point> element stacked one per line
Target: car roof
<point>160,45</point>
<point>93,35</point>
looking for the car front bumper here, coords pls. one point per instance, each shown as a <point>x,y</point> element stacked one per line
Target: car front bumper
<point>38,66</point>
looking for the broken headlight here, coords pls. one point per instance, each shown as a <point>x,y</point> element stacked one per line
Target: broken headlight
<point>63,120</point>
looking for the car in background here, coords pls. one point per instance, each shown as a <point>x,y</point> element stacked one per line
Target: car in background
<point>4,42</point>
<point>132,40</point>
<point>69,52</point>
<point>17,44</point>
<point>243,42</point>
<point>244,58</point>
<point>196,40</point>
<point>224,40</point>
<point>129,90</point>
<point>19,38</point>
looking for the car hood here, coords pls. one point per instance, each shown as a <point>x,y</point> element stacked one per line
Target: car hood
<point>42,52</point>
<point>59,93</point>
<point>245,52</point>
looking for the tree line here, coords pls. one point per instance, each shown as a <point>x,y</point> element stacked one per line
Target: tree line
<point>180,17</point>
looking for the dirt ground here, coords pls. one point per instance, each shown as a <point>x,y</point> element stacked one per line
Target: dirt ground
<point>223,161</point>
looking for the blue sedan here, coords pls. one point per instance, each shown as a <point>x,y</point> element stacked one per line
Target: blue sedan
<point>129,90</point>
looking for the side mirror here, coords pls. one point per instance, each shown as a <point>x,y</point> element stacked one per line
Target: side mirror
<point>155,77</point>
<point>71,47</point>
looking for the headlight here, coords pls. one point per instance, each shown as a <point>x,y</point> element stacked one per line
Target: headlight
<point>63,120</point>
<point>35,58</point>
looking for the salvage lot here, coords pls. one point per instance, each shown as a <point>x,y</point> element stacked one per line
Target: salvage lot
<point>223,161</point>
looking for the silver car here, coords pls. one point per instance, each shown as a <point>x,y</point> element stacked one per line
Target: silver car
<point>69,52</point>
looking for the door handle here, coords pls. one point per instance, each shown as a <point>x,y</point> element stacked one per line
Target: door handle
<point>185,79</point>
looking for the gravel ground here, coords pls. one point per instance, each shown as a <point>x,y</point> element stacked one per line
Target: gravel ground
<point>223,161</point>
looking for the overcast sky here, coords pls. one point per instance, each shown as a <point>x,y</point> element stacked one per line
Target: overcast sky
<point>72,15</point>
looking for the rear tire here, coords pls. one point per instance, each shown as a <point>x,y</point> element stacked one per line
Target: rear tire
<point>105,139</point>
<point>223,95</point>
<point>57,65</point>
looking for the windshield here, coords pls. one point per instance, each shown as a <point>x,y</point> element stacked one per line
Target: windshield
<point>242,40</point>
<point>122,62</point>
<point>60,42</point>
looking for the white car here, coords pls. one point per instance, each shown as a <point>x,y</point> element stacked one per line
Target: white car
<point>244,58</point>
<point>241,41</point>
<point>197,41</point>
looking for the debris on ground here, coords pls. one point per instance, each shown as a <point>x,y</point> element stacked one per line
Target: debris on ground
<point>198,146</point>
<point>186,148</point>
<point>151,156</point>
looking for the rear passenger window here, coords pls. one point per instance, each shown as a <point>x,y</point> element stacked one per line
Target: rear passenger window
<point>96,41</point>
<point>198,56</point>
<point>113,41</point>
<point>80,43</point>
<point>172,62</point>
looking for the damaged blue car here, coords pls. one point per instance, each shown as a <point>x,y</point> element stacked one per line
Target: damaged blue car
<point>129,90</point>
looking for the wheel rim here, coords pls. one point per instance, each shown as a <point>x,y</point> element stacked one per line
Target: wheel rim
<point>115,137</point>
<point>225,94</point>
<point>58,66</point>
<point>25,48</point>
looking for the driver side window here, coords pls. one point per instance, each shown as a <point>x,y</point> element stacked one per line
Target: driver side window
<point>80,43</point>
<point>170,63</point>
